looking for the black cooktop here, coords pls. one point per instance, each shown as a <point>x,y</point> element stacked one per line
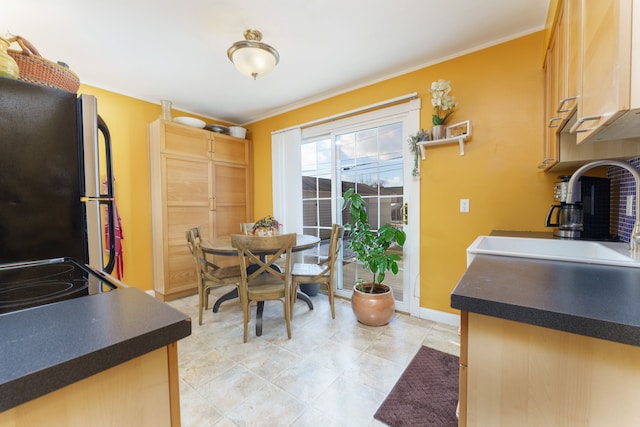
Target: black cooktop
<point>31,284</point>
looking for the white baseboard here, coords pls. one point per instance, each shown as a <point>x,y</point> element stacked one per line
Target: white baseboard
<point>440,316</point>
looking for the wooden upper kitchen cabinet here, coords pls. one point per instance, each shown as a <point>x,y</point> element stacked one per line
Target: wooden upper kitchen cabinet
<point>610,68</point>
<point>561,78</point>
<point>552,119</point>
<point>197,178</point>
<point>574,82</point>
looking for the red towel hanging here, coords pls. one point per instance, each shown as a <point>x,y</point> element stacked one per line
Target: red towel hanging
<point>118,234</point>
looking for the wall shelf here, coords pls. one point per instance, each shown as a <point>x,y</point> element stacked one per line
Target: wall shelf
<point>459,139</point>
<point>457,133</point>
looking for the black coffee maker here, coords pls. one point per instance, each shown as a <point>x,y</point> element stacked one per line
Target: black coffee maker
<point>588,217</point>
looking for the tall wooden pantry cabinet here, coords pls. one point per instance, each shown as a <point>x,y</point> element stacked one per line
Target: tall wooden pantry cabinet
<point>197,178</point>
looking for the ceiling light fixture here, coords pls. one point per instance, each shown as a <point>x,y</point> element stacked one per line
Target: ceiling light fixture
<point>252,57</point>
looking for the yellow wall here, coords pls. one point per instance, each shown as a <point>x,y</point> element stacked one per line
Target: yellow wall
<point>500,89</point>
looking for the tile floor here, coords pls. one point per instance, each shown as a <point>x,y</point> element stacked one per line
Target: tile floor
<point>330,373</point>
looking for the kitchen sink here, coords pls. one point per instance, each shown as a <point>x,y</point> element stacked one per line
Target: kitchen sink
<point>590,252</point>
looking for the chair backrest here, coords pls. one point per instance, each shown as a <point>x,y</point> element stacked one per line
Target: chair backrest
<point>194,237</point>
<point>329,263</point>
<point>193,241</point>
<point>335,243</point>
<point>263,253</point>
<point>246,227</point>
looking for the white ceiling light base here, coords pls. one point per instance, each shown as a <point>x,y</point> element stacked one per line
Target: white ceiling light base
<point>252,57</point>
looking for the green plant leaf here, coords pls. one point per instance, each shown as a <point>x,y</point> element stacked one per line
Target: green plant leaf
<point>371,247</point>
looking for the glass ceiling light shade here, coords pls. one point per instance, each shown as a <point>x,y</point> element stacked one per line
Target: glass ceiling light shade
<point>252,57</point>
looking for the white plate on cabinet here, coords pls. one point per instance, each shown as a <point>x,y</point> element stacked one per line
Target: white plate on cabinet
<point>190,121</point>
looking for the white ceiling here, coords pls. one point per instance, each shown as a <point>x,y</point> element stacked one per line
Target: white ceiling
<point>176,50</point>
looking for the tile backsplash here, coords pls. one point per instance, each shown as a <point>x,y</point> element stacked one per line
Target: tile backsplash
<point>622,185</point>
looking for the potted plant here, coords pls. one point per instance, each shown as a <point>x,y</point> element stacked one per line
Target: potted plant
<point>372,302</point>
<point>267,226</point>
<point>414,140</point>
<point>443,105</point>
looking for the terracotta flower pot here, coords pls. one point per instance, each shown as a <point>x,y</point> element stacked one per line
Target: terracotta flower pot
<point>373,309</point>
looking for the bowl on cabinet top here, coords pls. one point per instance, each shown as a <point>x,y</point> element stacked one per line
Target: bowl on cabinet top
<point>237,131</point>
<point>217,128</point>
<point>190,121</point>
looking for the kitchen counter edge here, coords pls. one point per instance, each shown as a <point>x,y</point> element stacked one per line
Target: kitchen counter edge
<point>49,347</point>
<point>591,300</point>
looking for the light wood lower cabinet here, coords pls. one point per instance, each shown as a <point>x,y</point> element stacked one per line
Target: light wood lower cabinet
<point>197,178</point>
<point>519,374</point>
<point>141,392</point>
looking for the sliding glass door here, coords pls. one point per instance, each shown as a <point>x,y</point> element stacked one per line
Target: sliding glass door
<point>370,160</point>
<point>313,166</point>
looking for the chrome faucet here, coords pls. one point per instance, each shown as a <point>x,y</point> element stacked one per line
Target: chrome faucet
<point>634,241</point>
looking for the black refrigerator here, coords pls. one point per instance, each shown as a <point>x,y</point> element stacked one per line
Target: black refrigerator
<point>56,185</point>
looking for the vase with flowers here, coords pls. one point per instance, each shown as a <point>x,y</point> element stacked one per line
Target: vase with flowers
<point>443,105</point>
<point>267,226</point>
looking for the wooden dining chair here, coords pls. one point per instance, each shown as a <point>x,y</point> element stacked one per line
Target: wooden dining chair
<point>265,281</point>
<point>323,273</point>
<point>246,228</point>
<point>208,274</point>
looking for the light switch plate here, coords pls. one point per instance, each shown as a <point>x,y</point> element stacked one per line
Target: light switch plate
<point>464,205</point>
<point>629,207</point>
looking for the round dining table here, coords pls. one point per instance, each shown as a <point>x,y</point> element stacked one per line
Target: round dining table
<point>222,246</point>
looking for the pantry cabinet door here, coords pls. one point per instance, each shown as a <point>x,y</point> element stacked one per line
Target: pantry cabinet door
<point>229,149</point>
<point>187,203</point>
<point>231,201</point>
<point>185,140</point>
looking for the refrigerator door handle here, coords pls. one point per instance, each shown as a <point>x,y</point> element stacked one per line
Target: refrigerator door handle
<point>102,127</point>
<point>108,198</point>
<point>111,262</point>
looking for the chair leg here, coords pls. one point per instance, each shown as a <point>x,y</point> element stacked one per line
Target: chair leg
<point>330,295</point>
<point>200,301</point>
<point>246,310</point>
<point>293,297</point>
<point>259,314</point>
<point>287,316</point>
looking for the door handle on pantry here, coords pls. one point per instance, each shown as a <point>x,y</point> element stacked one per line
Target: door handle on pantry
<point>212,203</point>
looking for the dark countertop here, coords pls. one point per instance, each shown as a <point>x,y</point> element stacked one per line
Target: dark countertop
<point>593,300</point>
<point>48,347</point>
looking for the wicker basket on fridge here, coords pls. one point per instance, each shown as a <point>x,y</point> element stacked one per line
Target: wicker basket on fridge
<point>38,70</point>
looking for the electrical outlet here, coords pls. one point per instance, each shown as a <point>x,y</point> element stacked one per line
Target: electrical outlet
<point>629,207</point>
<point>464,205</point>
